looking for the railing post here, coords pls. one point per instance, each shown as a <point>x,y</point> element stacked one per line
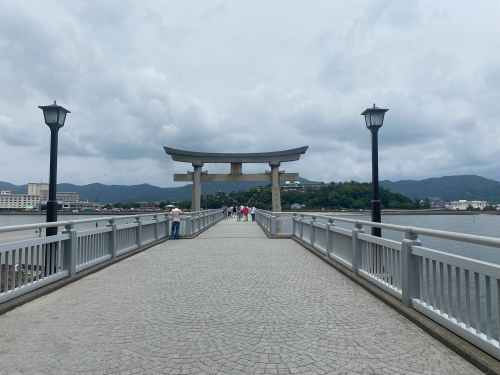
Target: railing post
<point>301,229</point>
<point>70,249</point>
<point>138,233</point>
<point>272,225</point>
<point>167,225</point>
<point>329,237</point>
<point>312,237</point>
<point>189,226</point>
<point>357,255</point>
<point>294,224</point>
<point>157,225</point>
<point>411,277</point>
<point>112,237</point>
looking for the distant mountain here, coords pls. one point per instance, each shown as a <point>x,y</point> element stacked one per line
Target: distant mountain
<point>139,193</point>
<point>448,188</point>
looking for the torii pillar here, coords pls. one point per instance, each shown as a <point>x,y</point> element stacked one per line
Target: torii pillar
<point>275,186</point>
<point>198,159</point>
<point>196,194</point>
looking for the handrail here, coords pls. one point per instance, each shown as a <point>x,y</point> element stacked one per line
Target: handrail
<point>32,263</point>
<point>15,228</point>
<point>462,237</point>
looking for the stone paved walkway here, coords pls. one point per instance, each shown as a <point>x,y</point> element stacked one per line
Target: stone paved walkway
<point>228,302</point>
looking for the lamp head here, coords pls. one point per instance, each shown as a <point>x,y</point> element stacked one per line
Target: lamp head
<point>54,114</point>
<point>374,117</point>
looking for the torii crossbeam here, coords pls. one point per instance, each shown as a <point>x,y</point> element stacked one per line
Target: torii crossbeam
<point>198,159</point>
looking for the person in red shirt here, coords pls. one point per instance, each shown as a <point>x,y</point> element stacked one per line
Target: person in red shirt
<point>245,212</point>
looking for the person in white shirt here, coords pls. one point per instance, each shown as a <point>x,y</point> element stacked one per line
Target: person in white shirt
<point>252,212</point>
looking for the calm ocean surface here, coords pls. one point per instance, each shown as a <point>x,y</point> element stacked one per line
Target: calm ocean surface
<point>19,219</point>
<point>482,225</point>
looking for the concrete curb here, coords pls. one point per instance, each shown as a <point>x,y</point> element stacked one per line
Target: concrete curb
<point>475,356</point>
<point>28,297</point>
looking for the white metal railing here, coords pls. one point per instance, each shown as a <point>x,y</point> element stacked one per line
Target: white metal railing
<point>276,223</point>
<point>30,264</point>
<point>461,294</point>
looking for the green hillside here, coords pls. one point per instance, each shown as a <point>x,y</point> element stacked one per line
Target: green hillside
<point>448,188</point>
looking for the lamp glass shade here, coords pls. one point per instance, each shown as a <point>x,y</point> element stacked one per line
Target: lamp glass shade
<point>51,115</point>
<point>374,117</point>
<point>54,114</point>
<point>377,118</point>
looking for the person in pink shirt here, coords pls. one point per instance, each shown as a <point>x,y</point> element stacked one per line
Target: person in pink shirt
<point>245,212</point>
<point>175,216</point>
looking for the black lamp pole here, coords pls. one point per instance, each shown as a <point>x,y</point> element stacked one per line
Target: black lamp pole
<point>55,117</point>
<point>52,201</point>
<point>376,214</point>
<point>374,118</point>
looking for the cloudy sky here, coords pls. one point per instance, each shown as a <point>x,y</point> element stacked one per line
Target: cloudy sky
<point>249,76</point>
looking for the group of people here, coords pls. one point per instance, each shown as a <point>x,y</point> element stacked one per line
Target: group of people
<point>239,212</point>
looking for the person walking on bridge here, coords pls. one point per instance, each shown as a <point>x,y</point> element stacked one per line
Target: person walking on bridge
<point>245,212</point>
<point>175,216</point>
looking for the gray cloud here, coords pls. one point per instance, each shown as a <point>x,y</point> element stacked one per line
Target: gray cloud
<point>229,77</point>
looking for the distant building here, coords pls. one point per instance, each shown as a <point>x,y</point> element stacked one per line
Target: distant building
<point>36,189</point>
<point>9,201</point>
<point>462,204</point>
<point>61,197</point>
<point>302,185</point>
<point>38,195</point>
<point>146,206</point>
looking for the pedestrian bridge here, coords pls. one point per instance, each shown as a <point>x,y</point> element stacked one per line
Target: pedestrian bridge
<point>229,301</point>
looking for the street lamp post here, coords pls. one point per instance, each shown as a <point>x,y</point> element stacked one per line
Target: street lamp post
<point>374,118</point>
<point>258,197</point>
<point>55,116</point>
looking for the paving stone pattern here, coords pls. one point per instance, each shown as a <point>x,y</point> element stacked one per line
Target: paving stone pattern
<point>230,301</point>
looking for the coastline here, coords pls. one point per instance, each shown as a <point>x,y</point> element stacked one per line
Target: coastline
<point>333,213</point>
<point>91,213</point>
<point>398,212</point>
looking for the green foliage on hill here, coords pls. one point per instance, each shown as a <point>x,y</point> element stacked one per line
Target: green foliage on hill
<point>341,195</point>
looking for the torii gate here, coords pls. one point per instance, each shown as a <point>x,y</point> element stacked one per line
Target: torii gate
<point>198,159</point>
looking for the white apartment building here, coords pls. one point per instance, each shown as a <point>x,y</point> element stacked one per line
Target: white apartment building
<point>462,204</point>
<point>60,197</point>
<point>36,189</point>
<point>18,201</point>
<point>37,194</point>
